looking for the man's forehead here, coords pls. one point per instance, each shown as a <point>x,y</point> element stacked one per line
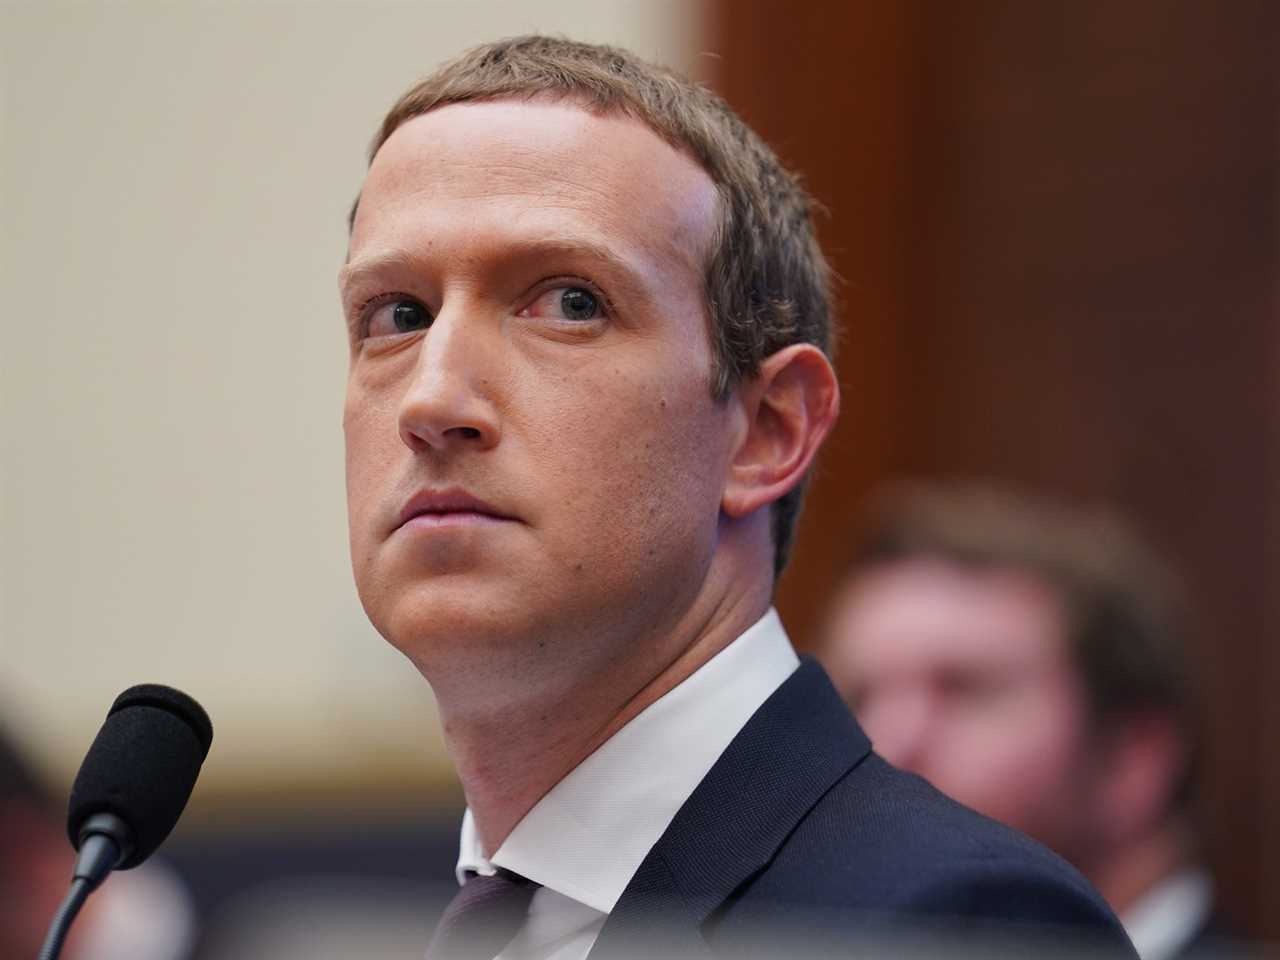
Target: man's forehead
<point>549,114</point>
<point>926,607</point>
<point>550,153</point>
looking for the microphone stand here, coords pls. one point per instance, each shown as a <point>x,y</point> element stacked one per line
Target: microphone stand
<point>104,843</point>
<point>79,893</point>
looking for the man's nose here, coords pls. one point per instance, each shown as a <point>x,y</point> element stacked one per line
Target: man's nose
<point>449,401</point>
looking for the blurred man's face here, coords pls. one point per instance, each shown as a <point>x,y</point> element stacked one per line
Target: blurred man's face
<point>534,459</point>
<point>964,677</point>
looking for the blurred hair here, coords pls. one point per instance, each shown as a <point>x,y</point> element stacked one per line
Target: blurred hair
<point>767,283</point>
<point>1122,610</point>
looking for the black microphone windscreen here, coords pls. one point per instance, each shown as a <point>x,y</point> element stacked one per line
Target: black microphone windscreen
<point>142,766</point>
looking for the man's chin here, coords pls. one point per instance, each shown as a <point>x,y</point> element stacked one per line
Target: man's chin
<point>452,629</point>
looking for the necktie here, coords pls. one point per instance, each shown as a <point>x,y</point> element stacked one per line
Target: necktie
<point>482,917</point>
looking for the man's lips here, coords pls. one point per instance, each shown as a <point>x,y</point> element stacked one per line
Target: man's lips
<point>436,508</point>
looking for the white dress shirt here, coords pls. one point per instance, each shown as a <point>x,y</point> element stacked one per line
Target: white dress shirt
<point>586,838</point>
<point>1169,915</point>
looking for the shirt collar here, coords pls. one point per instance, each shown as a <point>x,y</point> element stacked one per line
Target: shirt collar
<point>589,834</point>
<point>1170,914</point>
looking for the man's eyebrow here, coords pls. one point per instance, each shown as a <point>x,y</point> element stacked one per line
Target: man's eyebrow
<point>618,269</point>
<point>356,270</point>
<point>576,248</point>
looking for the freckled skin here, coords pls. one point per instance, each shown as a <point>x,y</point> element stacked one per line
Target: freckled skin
<point>602,441</point>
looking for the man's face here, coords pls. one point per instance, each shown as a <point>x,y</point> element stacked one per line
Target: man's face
<point>964,677</point>
<point>534,459</point>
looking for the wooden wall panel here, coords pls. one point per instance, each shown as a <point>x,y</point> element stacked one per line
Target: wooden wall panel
<point>831,87</point>
<point>1058,230</point>
<point>1101,316</point>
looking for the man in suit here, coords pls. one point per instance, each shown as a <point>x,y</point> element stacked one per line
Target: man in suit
<point>1028,658</point>
<point>589,325</point>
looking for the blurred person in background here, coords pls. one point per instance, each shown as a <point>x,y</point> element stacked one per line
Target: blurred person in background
<point>1030,660</point>
<point>140,914</point>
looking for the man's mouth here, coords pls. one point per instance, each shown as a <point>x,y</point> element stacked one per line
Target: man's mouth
<point>451,507</point>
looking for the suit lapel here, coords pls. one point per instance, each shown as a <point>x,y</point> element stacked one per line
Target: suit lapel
<point>799,743</point>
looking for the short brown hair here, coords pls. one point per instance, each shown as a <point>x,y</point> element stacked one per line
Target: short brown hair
<point>1123,613</point>
<point>767,282</point>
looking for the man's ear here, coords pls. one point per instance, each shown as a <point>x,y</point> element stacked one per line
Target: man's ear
<point>1144,758</point>
<point>790,407</point>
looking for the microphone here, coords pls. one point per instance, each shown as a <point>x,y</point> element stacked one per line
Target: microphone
<point>131,789</point>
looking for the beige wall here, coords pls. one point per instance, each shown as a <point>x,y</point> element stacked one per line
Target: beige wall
<point>174,184</point>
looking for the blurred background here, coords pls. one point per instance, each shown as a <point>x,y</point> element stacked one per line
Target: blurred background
<point>1056,231</point>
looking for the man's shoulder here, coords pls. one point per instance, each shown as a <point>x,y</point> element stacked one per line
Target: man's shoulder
<point>892,835</point>
<point>801,835</point>
<point>884,845</point>
<point>834,823</point>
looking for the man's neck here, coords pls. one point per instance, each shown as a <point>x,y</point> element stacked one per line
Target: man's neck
<point>1129,873</point>
<point>508,757</point>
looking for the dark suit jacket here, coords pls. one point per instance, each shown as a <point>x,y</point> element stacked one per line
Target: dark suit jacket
<point>802,840</point>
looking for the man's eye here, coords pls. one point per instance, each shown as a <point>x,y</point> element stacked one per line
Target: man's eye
<point>567,303</point>
<point>962,685</point>
<point>579,304</point>
<point>398,316</point>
